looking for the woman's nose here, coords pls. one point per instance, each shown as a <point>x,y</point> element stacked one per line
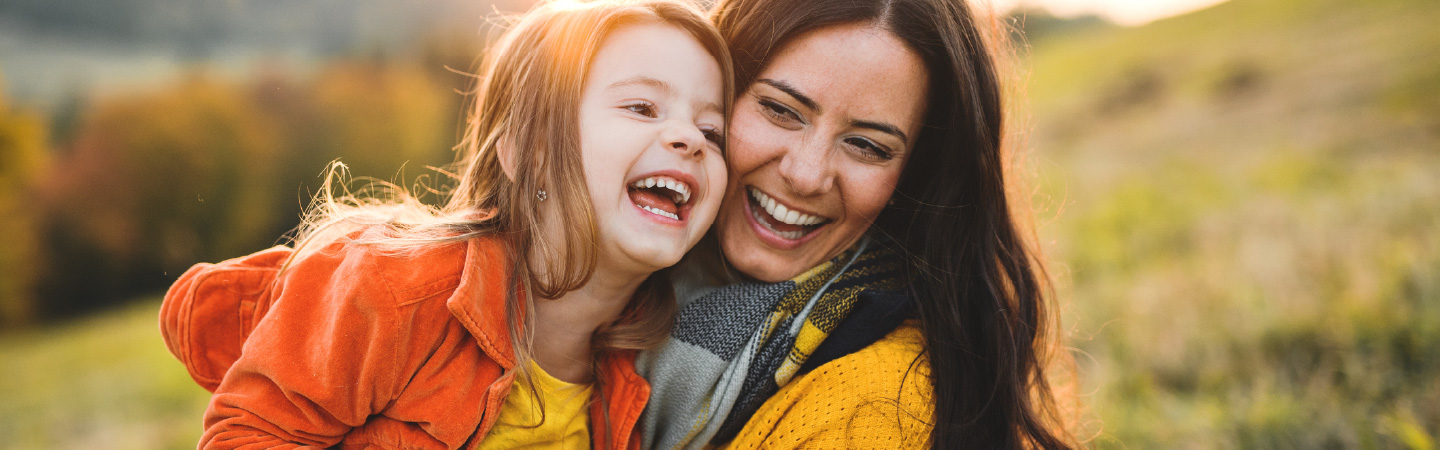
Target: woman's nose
<point>807,168</point>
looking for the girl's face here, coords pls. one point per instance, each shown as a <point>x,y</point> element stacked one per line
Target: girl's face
<point>651,120</point>
<point>816,147</point>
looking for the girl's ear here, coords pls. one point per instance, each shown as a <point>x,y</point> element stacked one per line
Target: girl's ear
<point>505,152</point>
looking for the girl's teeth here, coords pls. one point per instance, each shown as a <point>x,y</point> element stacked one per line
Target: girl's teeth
<point>660,213</point>
<point>783,214</point>
<point>680,190</point>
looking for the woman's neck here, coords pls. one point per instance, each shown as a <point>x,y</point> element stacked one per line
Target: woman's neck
<point>564,326</point>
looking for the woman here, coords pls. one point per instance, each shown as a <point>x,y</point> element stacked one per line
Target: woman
<point>879,292</point>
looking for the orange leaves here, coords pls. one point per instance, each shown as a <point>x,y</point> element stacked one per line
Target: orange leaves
<point>209,167</point>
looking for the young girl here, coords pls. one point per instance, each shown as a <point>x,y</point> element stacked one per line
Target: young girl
<point>510,316</point>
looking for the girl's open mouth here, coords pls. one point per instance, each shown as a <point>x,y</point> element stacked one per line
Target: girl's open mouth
<point>662,195</point>
<point>784,222</point>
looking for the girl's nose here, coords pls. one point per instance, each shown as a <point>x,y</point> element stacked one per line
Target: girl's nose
<point>807,168</point>
<point>684,138</point>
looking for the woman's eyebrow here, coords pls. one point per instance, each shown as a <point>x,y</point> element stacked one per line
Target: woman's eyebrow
<point>788,89</point>
<point>881,127</point>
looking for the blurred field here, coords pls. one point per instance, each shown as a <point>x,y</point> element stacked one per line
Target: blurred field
<point>1241,205</point>
<point>102,382</point>
<point>1244,211</point>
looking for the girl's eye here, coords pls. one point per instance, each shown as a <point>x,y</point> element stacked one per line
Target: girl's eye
<point>714,137</point>
<point>870,148</point>
<point>642,108</point>
<point>779,112</point>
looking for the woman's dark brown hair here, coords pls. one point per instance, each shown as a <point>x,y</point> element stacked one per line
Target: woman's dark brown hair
<point>982,294</point>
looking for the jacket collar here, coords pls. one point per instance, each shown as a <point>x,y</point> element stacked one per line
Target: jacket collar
<point>625,396</point>
<point>479,304</point>
<point>479,301</point>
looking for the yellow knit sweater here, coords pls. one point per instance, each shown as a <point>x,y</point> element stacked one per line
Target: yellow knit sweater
<point>878,397</point>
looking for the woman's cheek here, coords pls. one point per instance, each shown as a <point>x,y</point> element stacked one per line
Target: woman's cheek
<point>750,137</point>
<point>870,189</point>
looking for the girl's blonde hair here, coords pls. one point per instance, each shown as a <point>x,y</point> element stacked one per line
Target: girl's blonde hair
<point>526,104</point>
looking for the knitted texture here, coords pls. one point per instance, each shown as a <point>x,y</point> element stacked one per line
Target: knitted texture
<point>878,397</point>
<point>735,346</point>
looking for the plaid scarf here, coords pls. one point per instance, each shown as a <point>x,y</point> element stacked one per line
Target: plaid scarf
<point>732,348</point>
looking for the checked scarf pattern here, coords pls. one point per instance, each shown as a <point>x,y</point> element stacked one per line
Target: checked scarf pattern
<point>733,348</point>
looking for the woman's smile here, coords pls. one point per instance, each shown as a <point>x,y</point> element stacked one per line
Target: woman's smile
<point>784,226</point>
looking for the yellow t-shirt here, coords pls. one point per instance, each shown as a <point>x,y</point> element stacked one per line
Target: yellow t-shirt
<point>566,422</point>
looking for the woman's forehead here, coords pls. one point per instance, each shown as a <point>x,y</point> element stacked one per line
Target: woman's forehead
<point>860,70</point>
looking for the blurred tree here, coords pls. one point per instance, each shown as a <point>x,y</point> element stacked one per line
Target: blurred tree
<point>207,169</point>
<point>154,183</point>
<point>376,116</point>
<point>23,151</point>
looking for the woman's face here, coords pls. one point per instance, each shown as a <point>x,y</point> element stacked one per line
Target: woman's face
<point>816,147</point>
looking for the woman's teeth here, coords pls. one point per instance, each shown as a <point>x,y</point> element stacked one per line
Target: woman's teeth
<point>679,191</point>
<point>781,213</point>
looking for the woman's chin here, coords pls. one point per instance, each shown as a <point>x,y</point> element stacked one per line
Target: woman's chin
<point>755,261</point>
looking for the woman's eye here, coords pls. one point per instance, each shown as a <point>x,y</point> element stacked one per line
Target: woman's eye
<point>870,148</point>
<point>779,112</point>
<point>642,108</point>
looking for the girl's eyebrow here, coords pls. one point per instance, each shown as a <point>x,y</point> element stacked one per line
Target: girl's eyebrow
<point>642,81</point>
<point>661,86</point>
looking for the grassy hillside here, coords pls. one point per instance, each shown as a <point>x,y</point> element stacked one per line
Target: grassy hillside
<point>104,382</point>
<point>1243,205</point>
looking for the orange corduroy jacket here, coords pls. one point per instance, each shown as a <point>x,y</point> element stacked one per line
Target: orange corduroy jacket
<point>355,347</point>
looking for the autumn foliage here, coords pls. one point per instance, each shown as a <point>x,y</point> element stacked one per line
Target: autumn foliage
<point>205,168</point>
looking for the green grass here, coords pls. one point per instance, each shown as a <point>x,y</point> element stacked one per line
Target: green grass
<point>101,382</point>
<point>1244,212</point>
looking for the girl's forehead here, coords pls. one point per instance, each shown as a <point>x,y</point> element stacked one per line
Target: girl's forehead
<point>654,56</point>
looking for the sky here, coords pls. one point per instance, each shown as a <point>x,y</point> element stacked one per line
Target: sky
<point>1125,12</point>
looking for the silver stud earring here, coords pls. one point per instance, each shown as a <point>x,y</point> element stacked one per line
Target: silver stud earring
<point>541,195</point>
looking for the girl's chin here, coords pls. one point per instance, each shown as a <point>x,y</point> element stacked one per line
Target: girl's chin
<point>641,259</point>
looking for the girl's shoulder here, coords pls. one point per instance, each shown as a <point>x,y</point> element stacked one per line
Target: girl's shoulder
<point>212,309</point>
<point>403,273</point>
<point>399,265</point>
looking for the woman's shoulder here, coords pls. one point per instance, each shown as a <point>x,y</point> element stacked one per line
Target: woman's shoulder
<point>877,397</point>
<point>880,369</point>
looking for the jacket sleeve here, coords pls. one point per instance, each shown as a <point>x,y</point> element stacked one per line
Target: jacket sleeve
<point>210,311</point>
<point>322,360</point>
<point>878,397</point>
